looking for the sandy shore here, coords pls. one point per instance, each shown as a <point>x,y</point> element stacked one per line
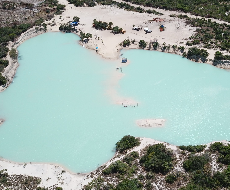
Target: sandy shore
<point>50,174</point>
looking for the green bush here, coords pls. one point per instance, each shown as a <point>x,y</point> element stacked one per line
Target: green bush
<point>142,44</point>
<point>131,157</point>
<point>99,25</point>
<point>220,56</point>
<point>197,52</point>
<point>116,167</point>
<point>171,178</point>
<point>157,159</point>
<point>2,80</point>
<point>194,163</point>
<point>41,188</point>
<point>76,19</point>
<point>117,30</point>
<point>5,63</point>
<point>217,146</point>
<point>190,148</point>
<point>66,28</point>
<point>13,53</point>
<point>3,51</point>
<point>3,177</point>
<point>126,43</point>
<point>224,152</point>
<point>127,142</point>
<point>129,184</point>
<point>150,175</point>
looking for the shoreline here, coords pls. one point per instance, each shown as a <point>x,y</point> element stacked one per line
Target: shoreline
<point>108,43</point>
<point>52,174</point>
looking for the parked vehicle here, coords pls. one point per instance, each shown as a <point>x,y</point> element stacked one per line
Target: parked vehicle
<point>136,28</point>
<point>147,30</point>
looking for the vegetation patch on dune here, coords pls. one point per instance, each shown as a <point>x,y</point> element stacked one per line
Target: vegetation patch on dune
<point>185,168</point>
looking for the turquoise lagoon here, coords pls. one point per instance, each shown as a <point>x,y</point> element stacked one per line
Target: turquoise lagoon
<point>57,110</point>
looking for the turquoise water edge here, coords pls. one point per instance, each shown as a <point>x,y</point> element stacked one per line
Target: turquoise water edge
<point>58,110</point>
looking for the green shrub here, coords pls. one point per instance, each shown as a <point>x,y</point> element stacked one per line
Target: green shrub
<point>99,25</point>
<point>150,175</point>
<point>224,152</point>
<point>195,163</point>
<point>3,51</point>
<point>142,44</point>
<point>3,177</point>
<point>190,148</point>
<point>116,167</point>
<point>157,159</point>
<point>194,51</point>
<point>76,19</point>
<point>41,188</point>
<point>2,80</point>
<point>129,184</point>
<point>188,43</point>
<point>171,178</point>
<point>126,43</point>
<point>217,146</point>
<point>127,142</point>
<point>141,177</point>
<point>131,157</point>
<point>5,63</point>
<point>13,53</point>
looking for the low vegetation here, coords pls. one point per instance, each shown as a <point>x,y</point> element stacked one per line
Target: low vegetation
<point>142,44</point>
<point>205,8</point>
<point>194,163</point>
<point>219,56</point>
<point>194,149</point>
<point>157,159</point>
<point>126,143</point>
<point>13,53</point>
<point>223,152</point>
<point>122,5</point>
<point>191,169</point>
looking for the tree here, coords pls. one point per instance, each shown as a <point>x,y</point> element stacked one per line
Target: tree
<point>110,26</point>
<point>76,19</point>
<point>126,43</point>
<point>5,63</point>
<point>129,184</point>
<point>155,45</point>
<point>195,163</point>
<point>3,51</point>
<point>13,53</point>
<point>2,80</point>
<point>157,159</point>
<point>116,30</point>
<point>126,143</point>
<point>219,56</point>
<point>142,44</point>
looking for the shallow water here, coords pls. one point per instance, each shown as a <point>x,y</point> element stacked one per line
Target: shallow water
<point>57,110</point>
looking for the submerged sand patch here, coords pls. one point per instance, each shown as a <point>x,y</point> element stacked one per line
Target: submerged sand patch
<point>150,122</point>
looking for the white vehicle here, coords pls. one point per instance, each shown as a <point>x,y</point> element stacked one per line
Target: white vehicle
<point>147,30</point>
<point>136,28</point>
